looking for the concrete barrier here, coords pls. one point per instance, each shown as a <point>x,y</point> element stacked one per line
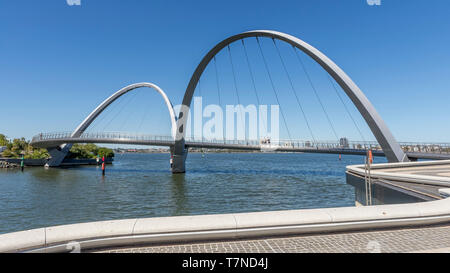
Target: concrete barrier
<point>223,226</point>
<point>445,193</point>
<point>415,178</point>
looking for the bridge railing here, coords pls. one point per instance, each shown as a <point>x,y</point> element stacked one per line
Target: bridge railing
<point>100,135</point>
<point>350,145</point>
<point>442,148</point>
<point>265,142</point>
<point>290,143</point>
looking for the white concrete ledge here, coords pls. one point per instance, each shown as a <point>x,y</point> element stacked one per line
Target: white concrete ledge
<point>445,193</point>
<point>223,226</point>
<point>415,178</point>
<point>404,164</point>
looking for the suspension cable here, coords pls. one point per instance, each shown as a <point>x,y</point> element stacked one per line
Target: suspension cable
<point>294,91</point>
<point>315,92</point>
<point>218,91</point>
<point>253,79</point>
<point>236,89</point>
<point>217,80</point>
<point>250,70</point>
<point>273,87</point>
<point>142,120</point>
<point>234,74</point>
<point>200,91</point>
<point>128,100</point>
<point>345,106</point>
<point>106,113</point>
<point>129,114</point>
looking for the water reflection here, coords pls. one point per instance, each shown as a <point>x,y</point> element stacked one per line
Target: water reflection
<point>178,191</point>
<point>141,185</point>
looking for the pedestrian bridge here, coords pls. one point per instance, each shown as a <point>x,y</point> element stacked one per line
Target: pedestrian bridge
<point>59,144</point>
<point>413,150</point>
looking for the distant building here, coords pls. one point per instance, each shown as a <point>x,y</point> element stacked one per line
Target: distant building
<point>2,148</point>
<point>343,142</point>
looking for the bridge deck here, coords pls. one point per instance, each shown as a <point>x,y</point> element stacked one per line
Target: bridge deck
<point>284,146</point>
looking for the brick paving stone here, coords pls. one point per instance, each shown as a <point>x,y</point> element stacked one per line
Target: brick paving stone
<point>399,240</point>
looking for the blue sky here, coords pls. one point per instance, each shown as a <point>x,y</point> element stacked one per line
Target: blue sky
<point>58,62</point>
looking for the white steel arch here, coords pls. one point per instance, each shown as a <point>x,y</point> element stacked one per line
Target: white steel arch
<point>59,153</point>
<point>390,146</point>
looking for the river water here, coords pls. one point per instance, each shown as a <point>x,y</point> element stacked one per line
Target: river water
<point>141,185</point>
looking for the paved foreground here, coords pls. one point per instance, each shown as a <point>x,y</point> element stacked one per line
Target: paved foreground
<point>425,239</point>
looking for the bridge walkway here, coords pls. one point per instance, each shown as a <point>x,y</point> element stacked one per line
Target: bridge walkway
<point>415,151</point>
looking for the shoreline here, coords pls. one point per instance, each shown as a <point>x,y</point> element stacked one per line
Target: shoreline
<point>12,162</point>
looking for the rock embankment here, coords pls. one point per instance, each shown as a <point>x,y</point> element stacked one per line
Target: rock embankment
<point>7,165</point>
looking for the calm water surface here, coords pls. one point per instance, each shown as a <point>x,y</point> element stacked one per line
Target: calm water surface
<point>141,185</point>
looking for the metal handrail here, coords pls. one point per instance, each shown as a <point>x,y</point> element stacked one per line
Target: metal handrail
<point>350,145</point>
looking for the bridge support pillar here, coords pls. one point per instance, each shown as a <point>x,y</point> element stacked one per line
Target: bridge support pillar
<point>57,155</point>
<point>179,161</point>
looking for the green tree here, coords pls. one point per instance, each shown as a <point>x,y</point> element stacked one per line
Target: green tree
<point>89,151</point>
<point>37,153</point>
<point>8,154</point>
<point>79,151</point>
<point>106,152</point>
<point>3,140</point>
<point>19,145</point>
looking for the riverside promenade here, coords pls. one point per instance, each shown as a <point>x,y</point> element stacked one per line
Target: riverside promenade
<point>432,239</point>
<point>425,181</point>
<point>422,226</point>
